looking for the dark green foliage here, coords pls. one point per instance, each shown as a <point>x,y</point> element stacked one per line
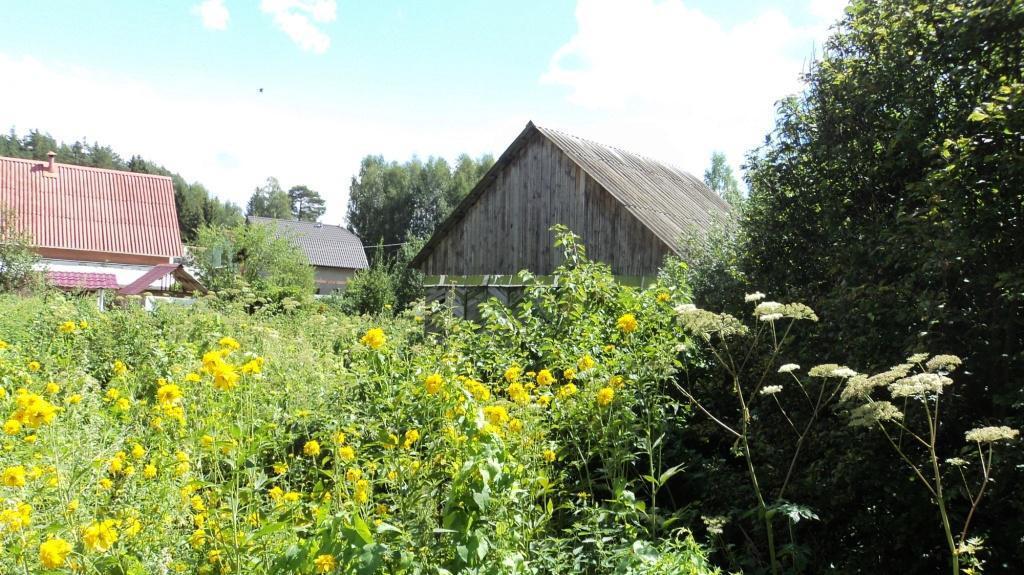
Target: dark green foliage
<point>391,203</point>
<point>254,256</point>
<point>307,204</point>
<point>890,198</point>
<point>270,201</point>
<point>196,207</point>
<point>16,256</point>
<point>720,179</point>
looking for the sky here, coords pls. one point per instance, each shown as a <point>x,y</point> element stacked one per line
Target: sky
<point>230,92</point>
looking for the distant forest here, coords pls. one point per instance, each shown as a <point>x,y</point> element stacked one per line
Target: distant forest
<point>196,206</point>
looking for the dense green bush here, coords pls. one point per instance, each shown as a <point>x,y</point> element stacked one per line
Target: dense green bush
<point>889,199</point>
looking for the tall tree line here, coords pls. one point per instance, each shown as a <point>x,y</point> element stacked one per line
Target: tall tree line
<point>394,203</point>
<point>196,206</point>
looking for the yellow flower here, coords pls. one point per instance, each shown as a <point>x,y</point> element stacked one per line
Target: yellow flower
<point>197,539</point>
<point>280,468</point>
<point>52,388</point>
<point>149,471</point>
<point>479,391</point>
<point>33,410</point>
<point>292,497</point>
<point>353,474</point>
<point>517,393</point>
<point>14,476</point>
<point>253,366</point>
<point>325,563</point>
<point>515,425</point>
<point>4,345</point>
<point>663,297</point>
<point>225,378</point>
<point>207,440</point>
<point>567,390</point>
<point>347,453</point>
<point>53,552</point>
<point>119,367</point>
<point>512,373</point>
<point>586,362</point>
<point>169,394</point>
<point>73,505</point>
<point>12,427</point>
<point>106,483</point>
<point>495,415</point>
<point>340,438</point>
<point>362,494</point>
<point>616,381</point>
<point>569,374</point>
<point>138,451</point>
<point>311,448</point>
<point>549,455</point>
<point>83,324</point>
<point>74,399</point>
<point>544,400</point>
<point>228,343</point>
<point>275,493</point>
<point>34,366</point>
<point>116,464</point>
<point>433,383</point>
<point>100,536</point>
<point>605,395</point>
<point>411,436</point>
<point>113,394</point>
<point>124,404</point>
<point>18,518</point>
<point>544,377</point>
<point>193,377</point>
<point>68,327</point>
<point>626,323</point>
<point>373,338</point>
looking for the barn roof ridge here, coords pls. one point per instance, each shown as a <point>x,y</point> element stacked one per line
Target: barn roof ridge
<point>665,199</point>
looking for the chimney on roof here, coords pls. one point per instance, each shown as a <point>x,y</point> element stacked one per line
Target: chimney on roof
<point>52,168</point>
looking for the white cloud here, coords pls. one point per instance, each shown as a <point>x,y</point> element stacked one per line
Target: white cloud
<point>298,18</point>
<point>232,141</point>
<point>213,13</point>
<point>667,80</point>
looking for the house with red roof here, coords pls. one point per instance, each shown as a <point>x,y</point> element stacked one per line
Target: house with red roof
<point>97,229</point>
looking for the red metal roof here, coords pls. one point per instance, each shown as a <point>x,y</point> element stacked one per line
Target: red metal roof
<point>90,209</point>
<point>82,280</point>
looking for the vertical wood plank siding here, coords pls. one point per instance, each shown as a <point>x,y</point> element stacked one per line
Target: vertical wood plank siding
<point>507,228</point>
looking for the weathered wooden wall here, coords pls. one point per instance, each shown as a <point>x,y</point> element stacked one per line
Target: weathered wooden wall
<point>507,229</point>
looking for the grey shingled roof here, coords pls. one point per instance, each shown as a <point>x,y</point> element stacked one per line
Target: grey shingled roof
<point>323,244</point>
<point>667,200</point>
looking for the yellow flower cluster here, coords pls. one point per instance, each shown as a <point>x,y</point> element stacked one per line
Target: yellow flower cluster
<point>33,410</point>
<point>373,338</point>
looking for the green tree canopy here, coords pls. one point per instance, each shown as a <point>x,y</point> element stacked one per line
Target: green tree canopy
<point>307,205</point>
<point>391,203</point>
<point>720,179</point>
<point>270,201</point>
<point>890,198</point>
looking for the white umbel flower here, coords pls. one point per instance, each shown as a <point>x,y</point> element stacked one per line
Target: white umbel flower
<point>756,296</point>
<point>991,434</point>
<point>770,389</point>
<point>789,368</point>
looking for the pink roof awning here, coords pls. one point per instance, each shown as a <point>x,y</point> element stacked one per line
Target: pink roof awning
<point>82,280</point>
<point>158,273</point>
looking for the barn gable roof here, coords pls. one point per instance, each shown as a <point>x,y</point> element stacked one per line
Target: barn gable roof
<point>91,209</point>
<point>324,245</point>
<point>667,200</point>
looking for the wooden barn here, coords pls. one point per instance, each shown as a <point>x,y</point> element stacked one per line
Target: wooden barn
<point>630,212</point>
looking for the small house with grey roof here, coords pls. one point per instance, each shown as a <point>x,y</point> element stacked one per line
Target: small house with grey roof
<point>334,252</point>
